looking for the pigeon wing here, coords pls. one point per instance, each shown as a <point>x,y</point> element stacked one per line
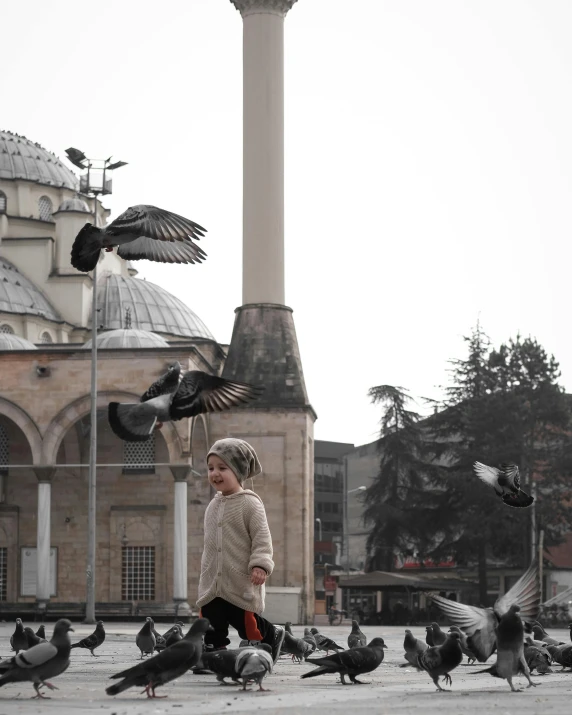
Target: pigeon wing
<point>512,474</point>
<point>478,623</point>
<point>152,222</point>
<point>166,251</point>
<point>36,656</point>
<point>430,659</point>
<point>525,593</point>
<point>200,392</point>
<point>489,475</point>
<point>167,383</point>
<point>132,422</point>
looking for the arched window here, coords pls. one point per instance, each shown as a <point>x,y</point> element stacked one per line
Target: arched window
<point>3,202</point>
<point>5,328</point>
<point>45,337</point>
<point>45,206</point>
<point>4,451</point>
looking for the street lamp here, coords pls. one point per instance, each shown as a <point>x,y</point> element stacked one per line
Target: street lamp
<point>79,159</point>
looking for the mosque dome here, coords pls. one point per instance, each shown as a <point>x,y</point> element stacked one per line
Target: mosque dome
<point>151,308</point>
<point>20,295</point>
<point>21,158</point>
<point>128,338</point>
<point>75,204</point>
<point>8,341</point>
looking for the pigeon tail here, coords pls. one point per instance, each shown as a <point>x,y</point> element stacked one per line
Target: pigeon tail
<point>119,687</point>
<point>128,423</point>
<point>86,248</point>
<point>317,671</point>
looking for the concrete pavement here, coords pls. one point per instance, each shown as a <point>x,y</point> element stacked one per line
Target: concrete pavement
<point>392,689</point>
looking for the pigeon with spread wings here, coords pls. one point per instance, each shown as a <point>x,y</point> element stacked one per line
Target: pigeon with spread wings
<point>140,232</point>
<point>171,398</point>
<point>506,482</point>
<point>480,624</point>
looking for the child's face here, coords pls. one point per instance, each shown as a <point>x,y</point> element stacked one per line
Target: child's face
<point>222,477</point>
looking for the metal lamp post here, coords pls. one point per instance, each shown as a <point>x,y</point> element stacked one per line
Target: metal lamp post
<point>79,159</point>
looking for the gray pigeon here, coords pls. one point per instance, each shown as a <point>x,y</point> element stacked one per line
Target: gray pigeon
<point>174,636</point>
<point>288,628</point>
<point>171,398</point>
<point>510,649</point>
<point>92,641</point>
<point>178,624</point>
<point>439,637</point>
<point>41,632</point>
<point>309,638</point>
<point>537,659</point>
<point>298,648</point>
<point>506,483</point>
<point>356,638</point>
<point>166,666</point>
<point>480,623</point>
<point>464,644</point>
<point>442,659</point>
<point>541,635</point>
<point>160,641</point>
<point>352,662</point>
<point>32,638</point>
<point>42,661</point>
<point>561,654</point>
<point>323,642</point>
<point>413,647</point>
<point>145,639</point>
<point>253,664</point>
<point>19,639</point>
<point>140,232</point>
<point>429,636</point>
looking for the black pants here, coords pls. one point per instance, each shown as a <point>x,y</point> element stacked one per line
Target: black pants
<point>222,614</point>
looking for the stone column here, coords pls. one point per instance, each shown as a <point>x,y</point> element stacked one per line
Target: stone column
<point>263,149</point>
<point>43,591</point>
<point>180,595</point>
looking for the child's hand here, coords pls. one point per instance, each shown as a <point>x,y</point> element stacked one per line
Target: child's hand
<point>257,576</point>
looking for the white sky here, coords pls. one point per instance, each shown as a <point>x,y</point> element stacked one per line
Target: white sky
<point>428,167</point>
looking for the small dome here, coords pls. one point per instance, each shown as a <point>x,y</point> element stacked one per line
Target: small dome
<point>21,158</point>
<point>128,338</point>
<point>150,306</point>
<point>75,204</point>
<point>14,342</point>
<point>20,295</point>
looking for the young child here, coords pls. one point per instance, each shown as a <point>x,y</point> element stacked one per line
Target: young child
<point>237,556</point>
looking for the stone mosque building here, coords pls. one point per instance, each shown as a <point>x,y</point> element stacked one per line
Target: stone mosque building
<point>151,496</point>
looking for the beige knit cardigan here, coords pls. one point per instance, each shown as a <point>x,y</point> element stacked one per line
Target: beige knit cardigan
<point>237,539</point>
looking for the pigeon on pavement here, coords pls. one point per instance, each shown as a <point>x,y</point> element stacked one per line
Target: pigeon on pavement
<point>178,624</point>
<point>480,623</point>
<point>92,641</point>
<point>42,661</point>
<point>506,483</point>
<point>310,639</point>
<point>413,648</point>
<point>323,642</point>
<point>32,638</point>
<point>140,232</point>
<point>298,648</point>
<point>170,398</point>
<point>538,659</point>
<point>439,637</point>
<point>510,649</point>
<point>352,662</point>
<point>541,645</point>
<point>254,664</point>
<point>160,641</point>
<point>429,636</point>
<point>19,639</point>
<point>41,632</point>
<point>145,639</point>
<point>464,645</point>
<point>442,659</point>
<point>541,635</point>
<point>561,654</point>
<point>167,665</point>
<point>174,636</point>
<point>356,638</point>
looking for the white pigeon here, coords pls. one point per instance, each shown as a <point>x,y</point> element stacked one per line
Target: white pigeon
<point>140,232</point>
<point>506,483</point>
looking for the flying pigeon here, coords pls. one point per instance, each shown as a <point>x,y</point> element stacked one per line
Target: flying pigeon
<point>561,654</point>
<point>145,639</point>
<point>538,659</point>
<point>19,639</point>
<point>42,661</point>
<point>480,623</point>
<point>356,638</point>
<point>323,642</point>
<point>352,662</point>
<point>94,640</point>
<point>140,232</point>
<point>442,659</point>
<point>506,483</point>
<point>510,649</point>
<point>167,665</point>
<point>41,632</point>
<point>254,664</point>
<point>413,647</point>
<point>171,399</point>
<point>174,636</point>
<point>464,644</point>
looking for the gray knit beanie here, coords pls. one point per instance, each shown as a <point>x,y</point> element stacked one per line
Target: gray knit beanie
<point>238,455</point>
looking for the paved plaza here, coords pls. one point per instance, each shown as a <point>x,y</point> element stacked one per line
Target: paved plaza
<point>392,689</point>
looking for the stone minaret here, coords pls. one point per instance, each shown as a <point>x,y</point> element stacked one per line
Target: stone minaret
<point>264,348</point>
